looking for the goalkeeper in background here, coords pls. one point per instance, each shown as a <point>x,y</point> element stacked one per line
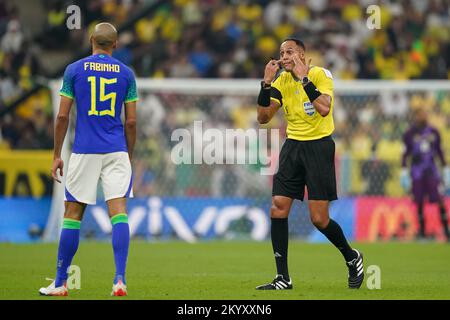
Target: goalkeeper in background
<point>102,150</point>
<point>422,145</point>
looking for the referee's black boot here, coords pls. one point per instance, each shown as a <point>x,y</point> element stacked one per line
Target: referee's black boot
<point>279,283</point>
<point>355,271</point>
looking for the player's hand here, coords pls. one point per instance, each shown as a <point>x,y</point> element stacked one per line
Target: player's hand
<point>271,70</point>
<point>300,69</point>
<point>58,163</point>
<point>405,181</point>
<point>446,174</point>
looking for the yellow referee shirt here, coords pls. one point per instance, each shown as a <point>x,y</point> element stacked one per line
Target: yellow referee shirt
<point>304,122</point>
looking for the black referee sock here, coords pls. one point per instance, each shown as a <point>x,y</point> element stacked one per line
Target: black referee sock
<point>280,236</point>
<point>336,236</point>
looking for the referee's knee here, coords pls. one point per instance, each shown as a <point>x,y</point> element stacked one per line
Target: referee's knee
<point>320,221</point>
<point>279,210</point>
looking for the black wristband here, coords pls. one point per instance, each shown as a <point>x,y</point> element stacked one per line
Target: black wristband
<point>311,91</point>
<point>264,96</point>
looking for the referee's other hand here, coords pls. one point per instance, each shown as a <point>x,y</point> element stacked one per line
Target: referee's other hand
<point>271,70</point>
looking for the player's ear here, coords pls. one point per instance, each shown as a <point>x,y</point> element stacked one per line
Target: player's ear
<point>115,44</point>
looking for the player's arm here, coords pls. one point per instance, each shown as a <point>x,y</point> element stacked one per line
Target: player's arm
<point>320,100</point>
<point>439,151</point>
<point>130,114</point>
<point>407,149</point>
<point>62,120</point>
<point>404,175</point>
<point>267,107</point>
<point>130,126</point>
<point>61,125</point>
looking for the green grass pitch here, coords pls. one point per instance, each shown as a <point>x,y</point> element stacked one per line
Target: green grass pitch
<point>230,270</point>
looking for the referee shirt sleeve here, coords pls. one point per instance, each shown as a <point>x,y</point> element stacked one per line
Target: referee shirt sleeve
<point>325,82</point>
<point>275,91</point>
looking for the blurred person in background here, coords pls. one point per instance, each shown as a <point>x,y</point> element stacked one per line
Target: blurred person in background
<point>375,172</point>
<point>422,145</point>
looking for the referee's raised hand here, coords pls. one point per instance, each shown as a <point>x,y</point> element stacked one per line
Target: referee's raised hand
<point>271,70</point>
<point>300,69</point>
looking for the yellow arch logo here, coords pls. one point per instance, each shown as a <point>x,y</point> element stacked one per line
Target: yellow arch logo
<point>394,218</point>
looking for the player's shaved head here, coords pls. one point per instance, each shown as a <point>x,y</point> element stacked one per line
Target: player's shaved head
<point>104,36</point>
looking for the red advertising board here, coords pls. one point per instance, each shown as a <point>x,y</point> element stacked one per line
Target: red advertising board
<point>380,218</point>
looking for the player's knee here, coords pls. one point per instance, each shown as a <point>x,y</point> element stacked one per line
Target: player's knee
<point>74,215</point>
<point>319,221</point>
<point>74,210</point>
<point>117,206</point>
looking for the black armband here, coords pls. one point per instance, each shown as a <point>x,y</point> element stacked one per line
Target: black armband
<point>311,91</point>
<point>264,95</point>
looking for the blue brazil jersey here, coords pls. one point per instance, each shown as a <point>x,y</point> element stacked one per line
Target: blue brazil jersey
<point>100,86</point>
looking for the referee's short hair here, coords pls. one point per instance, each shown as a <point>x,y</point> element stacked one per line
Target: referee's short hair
<point>298,42</point>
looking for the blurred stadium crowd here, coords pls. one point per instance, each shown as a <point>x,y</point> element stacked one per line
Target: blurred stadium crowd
<point>234,39</point>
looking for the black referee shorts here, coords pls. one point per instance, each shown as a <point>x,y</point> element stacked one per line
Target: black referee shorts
<point>309,163</point>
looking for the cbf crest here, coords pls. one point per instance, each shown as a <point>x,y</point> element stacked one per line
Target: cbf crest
<point>309,108</point>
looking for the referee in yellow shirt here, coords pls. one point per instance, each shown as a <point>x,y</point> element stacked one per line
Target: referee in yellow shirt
<point>305,93</point>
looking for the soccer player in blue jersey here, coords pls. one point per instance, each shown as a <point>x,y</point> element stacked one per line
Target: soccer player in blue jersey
<point>422,147</point>
<point>102,151</point>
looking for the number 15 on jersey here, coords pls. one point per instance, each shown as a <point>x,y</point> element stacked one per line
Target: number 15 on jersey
<point>103,97</point>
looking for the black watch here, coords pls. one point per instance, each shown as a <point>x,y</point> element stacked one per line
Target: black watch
<point>305,80</point>
<point>264,85</point>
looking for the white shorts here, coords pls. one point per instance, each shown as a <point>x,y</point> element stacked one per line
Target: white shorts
<point>85,170</point>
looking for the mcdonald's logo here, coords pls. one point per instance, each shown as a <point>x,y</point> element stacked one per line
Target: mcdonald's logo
<point>392,222</point>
